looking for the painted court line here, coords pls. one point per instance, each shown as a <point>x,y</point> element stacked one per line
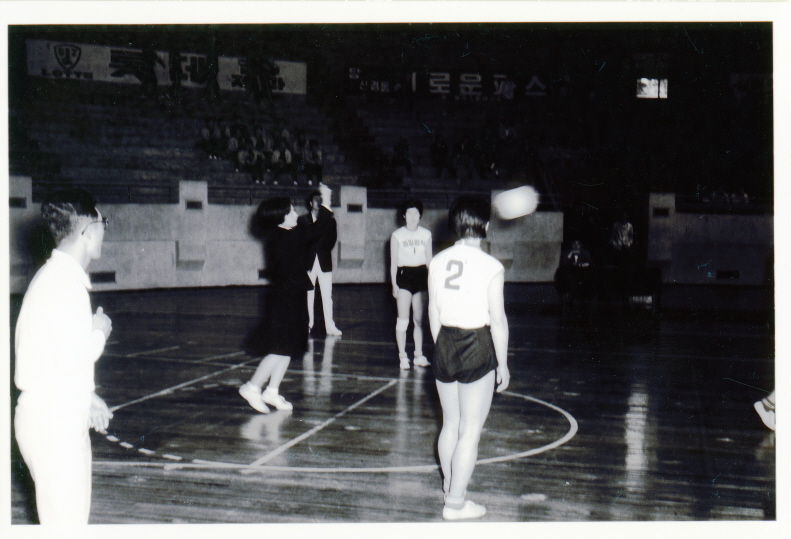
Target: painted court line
<point>573,427</point>
<point>317,428</point>
<point>256,466</point>
<point>222,356</point>
<point>166,349</point>
<point>179,386</point>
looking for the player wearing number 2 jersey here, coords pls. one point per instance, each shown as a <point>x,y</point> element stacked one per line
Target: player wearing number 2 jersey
<point>470,331</point>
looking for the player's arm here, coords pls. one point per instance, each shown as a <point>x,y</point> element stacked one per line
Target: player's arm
<point>394,264</point>
<point>499,328</point>
<point>433,312</point>
<point>429,252</point>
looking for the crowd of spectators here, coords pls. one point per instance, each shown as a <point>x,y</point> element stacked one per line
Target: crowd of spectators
<point>498,152</point>
<point>260,151</point>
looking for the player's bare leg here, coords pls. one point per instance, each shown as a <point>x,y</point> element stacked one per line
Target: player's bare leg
<point>403,303</point>
<point>417,333</point>
<point>467,408</point>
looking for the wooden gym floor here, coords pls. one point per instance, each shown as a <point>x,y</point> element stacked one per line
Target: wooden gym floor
<point>614,414</point>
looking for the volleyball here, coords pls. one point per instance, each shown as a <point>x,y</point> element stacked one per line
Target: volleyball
<point>516,202</point>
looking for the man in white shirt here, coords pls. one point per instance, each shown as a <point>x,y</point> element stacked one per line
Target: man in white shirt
<point>58,339</point>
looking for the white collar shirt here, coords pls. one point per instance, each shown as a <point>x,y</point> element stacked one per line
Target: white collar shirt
<point>56,345</point>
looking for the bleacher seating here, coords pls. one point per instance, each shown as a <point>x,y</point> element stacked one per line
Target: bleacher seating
<point>108,137</point>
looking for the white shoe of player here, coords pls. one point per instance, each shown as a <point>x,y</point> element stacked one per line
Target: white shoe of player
<point>253,395</point>
<point>470,510</point>
<point>271,397</point>
<point>421,361</point>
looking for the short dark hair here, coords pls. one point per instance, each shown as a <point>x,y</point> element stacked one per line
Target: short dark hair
<point>411,203</point>
<point>273,211</point>
<point>62,210</point>
<point>311,196</point>
<point>468,216</point>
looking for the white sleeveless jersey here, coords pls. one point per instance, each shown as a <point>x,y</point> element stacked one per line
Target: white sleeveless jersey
<point>412,245</point>
<point>459,278</point>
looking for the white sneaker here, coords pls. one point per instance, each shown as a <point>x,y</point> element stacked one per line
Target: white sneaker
<point>270,396</point>
<point>335,332</point>
<point>469,511</point>
<point>404,363</point>
<point>421,361</point>
<point>253,395</point>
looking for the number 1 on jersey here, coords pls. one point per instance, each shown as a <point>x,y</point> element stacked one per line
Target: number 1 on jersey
<point>459,269</point>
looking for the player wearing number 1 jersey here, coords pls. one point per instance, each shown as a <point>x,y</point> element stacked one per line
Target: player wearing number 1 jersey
<point>470,331</point>
<point>410,252</point>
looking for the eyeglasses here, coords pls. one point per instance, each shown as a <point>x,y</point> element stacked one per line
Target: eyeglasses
<point>104,220</point>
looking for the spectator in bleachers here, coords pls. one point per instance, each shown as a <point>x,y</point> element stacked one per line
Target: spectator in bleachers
<point>486,156</point>
<point>281,131</point>
<point>739,198</point>
<point>622,241</point>
<point>210,135</point>
<point>463,159</point>
<point>232,149</point>
<point>313,162</point>
<point>507,148</point>
<point>205,143</point>
<point>720,196</point>
<point>281,160</point>
<point>401,155</point>
<point>577,256</point>
<point>265,145</point>
<point>256,162</point>
<point>242,155</point>
<point>700,193</point>
<point>298,147</point>
<point>439,155</point>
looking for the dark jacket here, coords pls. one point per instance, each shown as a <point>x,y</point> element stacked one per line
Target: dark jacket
<point>327,236</point>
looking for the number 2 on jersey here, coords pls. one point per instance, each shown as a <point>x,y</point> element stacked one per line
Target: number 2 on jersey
<point>459,269</point>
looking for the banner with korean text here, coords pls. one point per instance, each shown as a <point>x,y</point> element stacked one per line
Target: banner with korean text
<point>58,60</point>
<point>447,84</point>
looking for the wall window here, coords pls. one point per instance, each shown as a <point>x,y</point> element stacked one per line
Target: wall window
<point>652,88</point>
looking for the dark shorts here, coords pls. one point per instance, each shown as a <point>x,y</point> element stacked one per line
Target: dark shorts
<point>463,355</point>
<point>412,278</point>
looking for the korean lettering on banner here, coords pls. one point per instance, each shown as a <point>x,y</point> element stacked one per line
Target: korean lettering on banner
<point>368,80</point>
<point>268,71</point>
<point>125,62</point>
<point>477,86</point>
<point>127,66</point>
<point>503,87</point>
<point>535,88</point>
<point>470,86</point>
<point>439,83</point>
<point>197,68</point>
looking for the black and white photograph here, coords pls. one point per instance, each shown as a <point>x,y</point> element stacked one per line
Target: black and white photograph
<point>510,264</point>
